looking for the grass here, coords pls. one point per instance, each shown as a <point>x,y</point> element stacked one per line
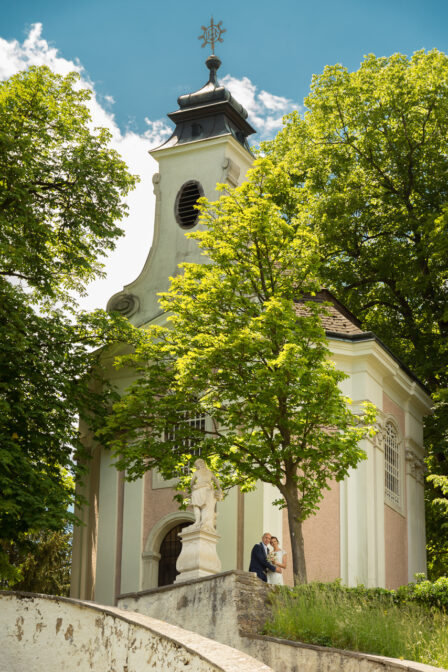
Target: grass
<point>329,615</point>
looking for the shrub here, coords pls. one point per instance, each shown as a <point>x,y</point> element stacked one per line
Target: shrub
<point>429,593</point>
<point>409,623</point>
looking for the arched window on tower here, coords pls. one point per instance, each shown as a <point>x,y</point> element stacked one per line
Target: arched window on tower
<point>392,465</point>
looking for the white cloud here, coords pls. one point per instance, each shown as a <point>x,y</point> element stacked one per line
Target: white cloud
<point>34,51</point>
<point>275,103</point>
<point>157,132</point>
<point>242,90</point>
<point>265,110</point>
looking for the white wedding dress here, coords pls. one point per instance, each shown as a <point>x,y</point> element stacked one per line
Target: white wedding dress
<point>274,578</point>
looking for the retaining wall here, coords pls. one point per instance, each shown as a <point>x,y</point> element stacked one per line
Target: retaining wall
<point>285,656</point>
<point>232,608</point>
<point>224,607</point>
<point>48,634</point>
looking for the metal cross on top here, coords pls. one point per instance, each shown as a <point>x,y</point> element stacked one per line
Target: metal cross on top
<point>212,34</point>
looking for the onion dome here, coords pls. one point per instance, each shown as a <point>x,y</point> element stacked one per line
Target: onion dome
<point>208,113</point>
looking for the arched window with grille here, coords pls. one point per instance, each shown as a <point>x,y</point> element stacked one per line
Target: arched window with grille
<point>170,549</point>
<point>392,461</point>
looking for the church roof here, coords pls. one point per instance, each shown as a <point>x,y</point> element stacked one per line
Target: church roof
<point>210,112</point>
<point>337,319</point>
<point>340,324</point>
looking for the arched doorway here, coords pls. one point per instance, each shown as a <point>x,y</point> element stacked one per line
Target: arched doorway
<point>169,552</point>
<point>151,554</point>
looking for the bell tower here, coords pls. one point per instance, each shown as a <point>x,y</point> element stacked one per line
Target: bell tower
<point>119,548</point>
<point>208,145</point>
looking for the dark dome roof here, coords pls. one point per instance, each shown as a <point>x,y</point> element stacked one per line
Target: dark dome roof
<point>209,112</point>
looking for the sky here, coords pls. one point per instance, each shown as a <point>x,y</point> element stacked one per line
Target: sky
<point>138,56</point>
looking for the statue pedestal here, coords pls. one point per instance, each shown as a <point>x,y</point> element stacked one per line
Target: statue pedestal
<point>198,556</point>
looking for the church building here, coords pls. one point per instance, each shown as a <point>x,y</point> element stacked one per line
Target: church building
<point>370,528</point>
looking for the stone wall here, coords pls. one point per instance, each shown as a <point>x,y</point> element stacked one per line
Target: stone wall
<point>286,656</point>
<point>224,607</point>
<point>48,634</point>
<point>232,608</point>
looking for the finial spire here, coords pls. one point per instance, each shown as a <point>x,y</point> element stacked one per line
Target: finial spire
<point>212,34</point>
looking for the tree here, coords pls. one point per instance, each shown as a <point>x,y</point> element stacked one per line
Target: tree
<point>61,186</point>
<point>437,526</point>
<point>369,160</point>
<point>43,562</point>
<point>243,350</point>
<point>61,191</point>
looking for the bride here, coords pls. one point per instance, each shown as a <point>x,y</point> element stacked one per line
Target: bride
<point>278,558</point>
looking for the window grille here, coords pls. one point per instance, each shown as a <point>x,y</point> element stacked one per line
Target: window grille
<point>184,209</point>
<point>170,549</point>
<point>186,445</point>
<point>392,465</point>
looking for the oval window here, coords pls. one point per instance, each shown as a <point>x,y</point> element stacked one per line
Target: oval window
<point>186,213</point>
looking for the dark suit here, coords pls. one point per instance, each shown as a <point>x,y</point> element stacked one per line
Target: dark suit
<point>259,562</point>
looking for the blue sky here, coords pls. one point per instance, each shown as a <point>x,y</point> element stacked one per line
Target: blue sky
<point>145,53</point>
<point>137,57</point>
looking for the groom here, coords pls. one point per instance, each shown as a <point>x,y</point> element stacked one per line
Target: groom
<point>259,559</point>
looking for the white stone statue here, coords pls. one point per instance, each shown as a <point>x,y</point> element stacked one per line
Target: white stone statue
<point>198,556</point>
<point>204,497</point>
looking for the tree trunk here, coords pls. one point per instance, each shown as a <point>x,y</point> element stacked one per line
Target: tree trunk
<point>289,491</point>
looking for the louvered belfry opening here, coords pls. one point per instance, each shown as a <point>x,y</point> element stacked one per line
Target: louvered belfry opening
<point>170,549</point>
<point>186,213</point>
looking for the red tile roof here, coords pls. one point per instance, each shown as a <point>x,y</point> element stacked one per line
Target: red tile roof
<point>337,319</point>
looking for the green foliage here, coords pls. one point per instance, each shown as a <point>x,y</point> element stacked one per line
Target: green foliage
<point>370,160</point>
<point>41,563</point>
<point>241,350</point>
<point>61,186</point>
<point>46,367</point>
<point>370,163</point>
<point>50,376</point>
<point>436,500</point>
<point>61,191</point>
<point>440,482</point>
<point>428,593</point>
<point>399,624</point>
<point>436,437</point>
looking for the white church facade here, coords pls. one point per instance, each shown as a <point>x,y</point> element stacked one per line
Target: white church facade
<point>370,528</point>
